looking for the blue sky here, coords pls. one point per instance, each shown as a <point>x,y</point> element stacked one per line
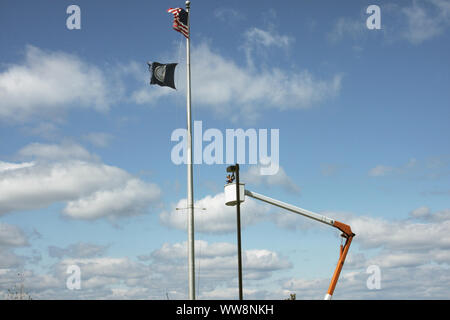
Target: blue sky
<point>86,176</point>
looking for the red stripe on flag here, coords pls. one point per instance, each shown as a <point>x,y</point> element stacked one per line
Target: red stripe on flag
<point>177,24</point>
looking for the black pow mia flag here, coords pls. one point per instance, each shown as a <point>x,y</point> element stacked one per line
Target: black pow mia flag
<point>162,74</point>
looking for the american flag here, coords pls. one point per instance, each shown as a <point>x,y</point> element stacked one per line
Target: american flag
<point>180,21</point>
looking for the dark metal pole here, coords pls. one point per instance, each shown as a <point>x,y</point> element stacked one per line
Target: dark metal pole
<point>238,211</point>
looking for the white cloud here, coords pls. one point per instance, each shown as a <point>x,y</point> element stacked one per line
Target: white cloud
<point>146,96</point>
<point>4,166</point>
<point>258,262</point>
<point>98,139</point>
<point>64,151</point>
<point>420,212</point>
<point>416,23</point>
<point>347,27</point>
<point>131,198</point>
<point>222,82</point>
<point>99,276</point>
<point>399,235</point>
<point>426,21</point>
<point>253,176</point>
<point>217,218</point>
<point>218,262</point>
<point>413,256</point>
<point>90,188</point>
<point>168,251</point>
<point>273,88</point>
<point>407,235</point>
<point>165,274</point>
<point>267,38</point>
<point>442,215</point>
<point>380,170</point>
<point>430,168</point>
<point>78,250</point>
<point>47,83</point>
<point>228,15</point>
<point>258,41</point>
<point>43,129</point>
<point>41,185</point>
<point>330,169</point>
<point>422,282</point>
<point>9,260</point>
<point>420,26</point>
<point>12,236</point>
<point>121,268</point>
<point>424,213</point>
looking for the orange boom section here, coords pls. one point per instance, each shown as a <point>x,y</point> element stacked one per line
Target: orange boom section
<point>348,235</point>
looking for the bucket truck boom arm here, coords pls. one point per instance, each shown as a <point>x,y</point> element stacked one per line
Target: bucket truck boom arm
<point>346,233</point>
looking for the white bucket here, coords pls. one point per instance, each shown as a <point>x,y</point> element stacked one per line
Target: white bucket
<point>230,194</point>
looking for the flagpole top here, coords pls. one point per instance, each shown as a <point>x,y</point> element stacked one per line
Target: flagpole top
<point>188,4</point>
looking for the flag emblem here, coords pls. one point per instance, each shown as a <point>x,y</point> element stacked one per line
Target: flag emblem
<point>162,74</point>
<point>180,20</point>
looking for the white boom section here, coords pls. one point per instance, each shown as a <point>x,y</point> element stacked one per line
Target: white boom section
<point>290,207</point>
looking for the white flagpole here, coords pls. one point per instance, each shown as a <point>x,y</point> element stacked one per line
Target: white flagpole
<point>190,186</point>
